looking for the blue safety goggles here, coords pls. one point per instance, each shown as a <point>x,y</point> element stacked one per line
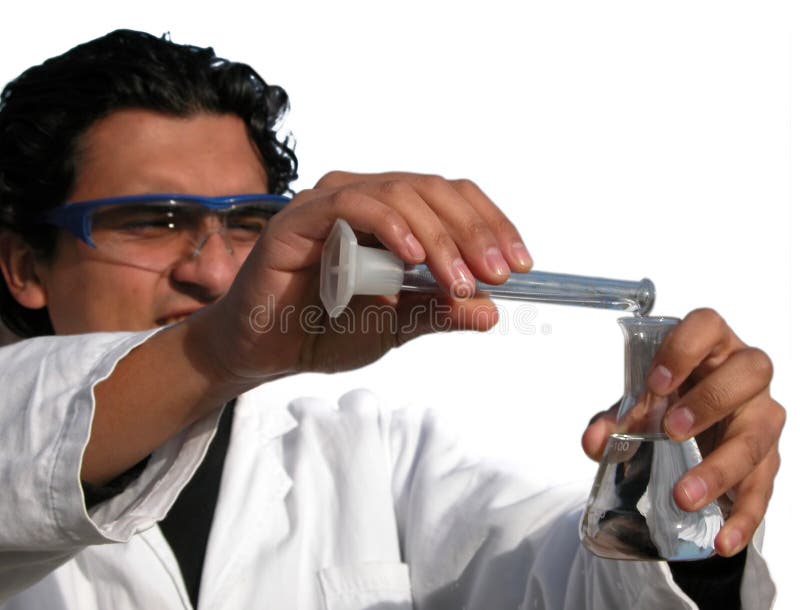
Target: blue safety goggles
<point>79,217</point>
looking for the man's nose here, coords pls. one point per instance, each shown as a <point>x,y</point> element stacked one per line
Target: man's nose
<point>202,239</point>
<point>209,269</point>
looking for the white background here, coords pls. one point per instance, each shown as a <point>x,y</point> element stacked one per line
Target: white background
<point>626,139</point>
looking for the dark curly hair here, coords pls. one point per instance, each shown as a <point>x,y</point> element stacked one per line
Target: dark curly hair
<point>45,111</point>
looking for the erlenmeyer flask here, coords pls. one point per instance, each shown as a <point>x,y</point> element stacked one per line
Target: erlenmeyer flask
<point>631,513</point>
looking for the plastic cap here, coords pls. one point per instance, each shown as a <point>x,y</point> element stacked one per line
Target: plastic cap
<point>348,269</point>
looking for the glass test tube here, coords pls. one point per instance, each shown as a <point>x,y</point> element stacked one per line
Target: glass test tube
<point>557,288</point>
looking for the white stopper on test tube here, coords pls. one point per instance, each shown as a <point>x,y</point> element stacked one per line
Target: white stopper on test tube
<point>347,269</point>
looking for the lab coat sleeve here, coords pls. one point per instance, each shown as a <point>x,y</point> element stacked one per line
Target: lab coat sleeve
<point>477,536</point>
<point>45,420</point>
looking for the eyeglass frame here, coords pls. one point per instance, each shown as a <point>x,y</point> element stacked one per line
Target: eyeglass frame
<point>76,217</point>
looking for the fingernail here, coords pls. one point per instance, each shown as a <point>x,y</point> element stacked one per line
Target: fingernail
<point>660,379</point>
<point>496,262</point>
<point>679,421</point>
<point>521,254</point>
<point>732,542</point>
<point>694,488</point>
<point>415,248</point>
<point>463,284</point>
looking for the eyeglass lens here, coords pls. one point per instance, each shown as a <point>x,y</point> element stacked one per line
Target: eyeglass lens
<point>157,235</point>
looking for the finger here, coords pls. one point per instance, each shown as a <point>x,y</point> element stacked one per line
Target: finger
<point>702,337</point>
<point>443,253</point>
<point>511,243</point>
<point>486,237</point>
<point>488,241</point>
<point>745,374</point>
<point>749,508</point>
<point>424,314</point>
<point>595,437</point>
<point>438,209</point>
<point>477,313</point>
<point>295,237</point>
<point>746,444</point>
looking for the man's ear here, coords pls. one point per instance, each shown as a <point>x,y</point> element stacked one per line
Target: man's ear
<point>18,264</point>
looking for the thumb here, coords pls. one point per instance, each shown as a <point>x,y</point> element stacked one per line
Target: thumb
<point>600,427</point>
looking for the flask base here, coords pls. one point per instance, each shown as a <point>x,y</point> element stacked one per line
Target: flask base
<point>631,513</point>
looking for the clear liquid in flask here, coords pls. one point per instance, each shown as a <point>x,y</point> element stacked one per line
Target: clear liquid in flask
<point>631,513</point>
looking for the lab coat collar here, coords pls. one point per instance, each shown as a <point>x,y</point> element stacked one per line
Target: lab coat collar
<point>264,415</point>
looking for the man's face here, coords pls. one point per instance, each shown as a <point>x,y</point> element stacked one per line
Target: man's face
<point>134,152</point>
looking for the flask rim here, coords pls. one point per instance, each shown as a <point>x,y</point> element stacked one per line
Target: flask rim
<point>647,321</point>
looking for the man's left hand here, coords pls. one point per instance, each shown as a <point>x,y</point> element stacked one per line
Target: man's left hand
<point>725,401</point>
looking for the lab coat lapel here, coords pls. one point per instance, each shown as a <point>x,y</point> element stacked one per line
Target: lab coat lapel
<point>250,510</point>
<point>155,540</point>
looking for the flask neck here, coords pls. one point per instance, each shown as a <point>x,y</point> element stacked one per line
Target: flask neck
<point>643,338</point>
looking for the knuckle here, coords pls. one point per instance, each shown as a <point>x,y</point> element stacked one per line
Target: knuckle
<point>709,318</point>
<point>431,182</point>
<point>441,239</point>
<point>465,186</point>
<point>344,198</point>
<point>331,178</point>
<point>503,226</point>
<point>774,463</point>
<point>715,398</point>
<point>774,417</point>
<point>750,521</point>
<point>760,362</point>
<point>717,478</point>
<point>476,228</point>
<point>704,314</point>
<point>395,188</point>
<point>780,416</point>
<point>754,450</point>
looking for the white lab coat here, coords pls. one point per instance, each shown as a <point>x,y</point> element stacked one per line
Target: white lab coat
<point>355,507</point>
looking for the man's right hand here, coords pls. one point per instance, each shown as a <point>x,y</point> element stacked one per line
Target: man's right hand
<point>271,321</point>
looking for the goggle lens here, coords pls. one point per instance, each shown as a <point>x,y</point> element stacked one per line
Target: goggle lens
<point>154,231</point>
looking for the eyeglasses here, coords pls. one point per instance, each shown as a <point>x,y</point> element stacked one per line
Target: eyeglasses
<point>155,231</point>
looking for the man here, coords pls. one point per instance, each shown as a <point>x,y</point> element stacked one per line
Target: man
<point>139,185</point>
